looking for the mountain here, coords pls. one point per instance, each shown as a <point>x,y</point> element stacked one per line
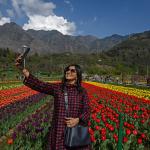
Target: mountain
<point>134,51</point>
<point>13,36</point>
<point>108,42</point>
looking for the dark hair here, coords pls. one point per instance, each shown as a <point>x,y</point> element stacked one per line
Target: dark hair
<point>79,77</point>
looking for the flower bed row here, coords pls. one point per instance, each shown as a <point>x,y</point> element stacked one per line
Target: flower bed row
<point>9,85</point>
<point>128,90</point>
<point>13,95</point>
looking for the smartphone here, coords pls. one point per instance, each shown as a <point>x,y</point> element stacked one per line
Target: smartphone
<point>23,55</point>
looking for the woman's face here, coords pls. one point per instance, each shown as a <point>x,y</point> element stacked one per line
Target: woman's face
<point>71,73</point>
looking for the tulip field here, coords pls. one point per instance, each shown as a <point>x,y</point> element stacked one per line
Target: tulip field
<point>107,102</point>
<point>120,117</point>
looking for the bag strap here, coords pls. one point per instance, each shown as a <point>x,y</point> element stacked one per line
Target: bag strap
<point>66,100</point>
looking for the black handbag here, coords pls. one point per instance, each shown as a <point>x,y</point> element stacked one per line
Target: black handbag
<point>78,135</point>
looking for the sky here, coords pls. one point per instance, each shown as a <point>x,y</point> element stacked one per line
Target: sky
<point>100,18</point>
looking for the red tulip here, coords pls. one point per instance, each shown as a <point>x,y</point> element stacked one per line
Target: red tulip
<point>91,131</point>
<point>98,120</point>
<point>139,141</point>
<point>112,128</point>
<point>125,139</point>
<point>103,138</point>
<point>142,121</point>
<point>97,127</point>
<point>93,138</point>
<point>143,135</point>
<point>103,131</point>
<point>128,132</point>
<point>135,132</point>
<point>10,141</point>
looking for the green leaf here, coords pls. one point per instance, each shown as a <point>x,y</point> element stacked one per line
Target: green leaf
<point>140,147</point>
<point>132,137</point>
<point>106,145</point>
<point>126,145</point>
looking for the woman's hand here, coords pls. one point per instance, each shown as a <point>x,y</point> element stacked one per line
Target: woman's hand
<point>25,72</point>
<point>71,122</point>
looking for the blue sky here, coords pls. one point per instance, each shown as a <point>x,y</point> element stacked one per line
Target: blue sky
<point>99,18</point>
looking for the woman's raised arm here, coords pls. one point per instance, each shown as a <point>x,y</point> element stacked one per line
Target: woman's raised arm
<point>33,82</point>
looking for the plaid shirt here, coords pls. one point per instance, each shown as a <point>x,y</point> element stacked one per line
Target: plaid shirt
<point>78,108</point>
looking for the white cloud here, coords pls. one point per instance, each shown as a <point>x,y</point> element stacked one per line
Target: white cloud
<point>42,17</point>
<point>31,7</point>
<point>4,20</point>
<point>39,22</point>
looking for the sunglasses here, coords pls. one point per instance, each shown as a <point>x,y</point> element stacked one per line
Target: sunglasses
<point>71,70</point>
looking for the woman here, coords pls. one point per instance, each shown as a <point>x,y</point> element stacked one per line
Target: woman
<point>78,111</point>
